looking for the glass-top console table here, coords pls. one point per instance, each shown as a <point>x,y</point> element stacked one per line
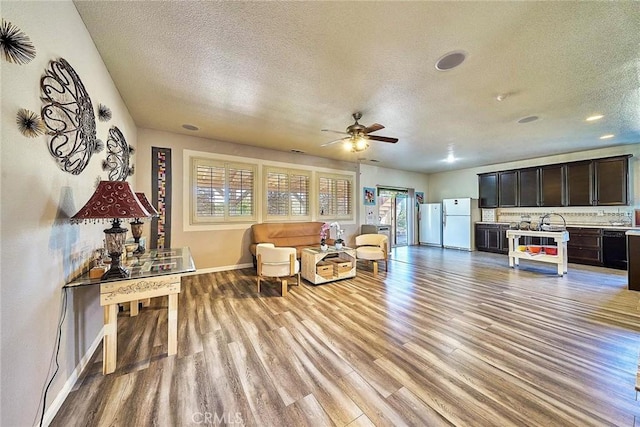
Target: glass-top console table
<point>153,274</point>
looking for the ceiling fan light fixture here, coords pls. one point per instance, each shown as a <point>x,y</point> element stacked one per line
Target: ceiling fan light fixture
<point>356,144</point>
<point>360,144</point>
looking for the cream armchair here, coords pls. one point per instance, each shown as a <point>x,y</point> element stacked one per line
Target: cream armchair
<point>373,247</point>
<point>277,262</point>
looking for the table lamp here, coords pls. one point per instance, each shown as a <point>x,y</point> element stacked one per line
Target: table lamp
<point>112,200</point>
<point>136,225</point>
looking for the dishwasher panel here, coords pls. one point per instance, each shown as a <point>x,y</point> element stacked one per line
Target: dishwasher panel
<point>614,249</point>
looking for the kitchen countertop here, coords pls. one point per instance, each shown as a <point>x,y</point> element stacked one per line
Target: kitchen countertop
<point>603,226</point>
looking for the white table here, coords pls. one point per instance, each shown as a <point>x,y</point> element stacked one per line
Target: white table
<point>560,237</point>
<point>312,256</point>
<point>156,273</point>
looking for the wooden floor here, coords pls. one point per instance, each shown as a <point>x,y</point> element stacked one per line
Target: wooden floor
<point>444,338</point>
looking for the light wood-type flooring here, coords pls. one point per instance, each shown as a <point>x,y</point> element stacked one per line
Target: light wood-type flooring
<point>444,338</point>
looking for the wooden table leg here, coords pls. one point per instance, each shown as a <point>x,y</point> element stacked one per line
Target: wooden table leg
<point>511,249</point>
<point>110,339</point>
<point>173,324</point>
<point>133,308</point>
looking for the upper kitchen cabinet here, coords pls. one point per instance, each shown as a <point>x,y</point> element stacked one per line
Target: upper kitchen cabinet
<point>508,189</point>
<point>488,190</point>
<point>580,183</point>
<point>529,187</point>
<point>552,186</point>
<point>597,182</point>
<point>611,181</point>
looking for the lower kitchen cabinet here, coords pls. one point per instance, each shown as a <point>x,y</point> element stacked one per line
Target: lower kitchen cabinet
<point>492,238</point>
<point>585,245</point>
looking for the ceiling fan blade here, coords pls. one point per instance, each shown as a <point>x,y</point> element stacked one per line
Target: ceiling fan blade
<point>374,127</point>
<point>334,131</point>
<point>383,138</point>
<point>333,142</point>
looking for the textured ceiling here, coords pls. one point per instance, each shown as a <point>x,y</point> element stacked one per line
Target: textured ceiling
<point>273,74</point>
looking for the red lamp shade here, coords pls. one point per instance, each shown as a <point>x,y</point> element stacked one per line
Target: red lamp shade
<point>148,206</point>
<point>113,200</point>
<point>136,225</point>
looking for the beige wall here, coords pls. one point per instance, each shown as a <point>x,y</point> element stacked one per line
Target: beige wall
<point>226,246</point>
<point>39,249</point>
<point>464,183</point>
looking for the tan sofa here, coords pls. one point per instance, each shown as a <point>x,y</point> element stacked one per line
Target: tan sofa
<point>297,235</point>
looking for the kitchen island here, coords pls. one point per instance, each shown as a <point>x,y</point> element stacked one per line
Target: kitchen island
<point>560,259</point>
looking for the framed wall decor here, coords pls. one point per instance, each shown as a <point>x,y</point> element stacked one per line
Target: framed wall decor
<point>369,194</point>
<point>161,197</point>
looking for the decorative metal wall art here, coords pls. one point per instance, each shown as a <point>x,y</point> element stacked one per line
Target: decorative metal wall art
<point>68,116</point>
<point>104,113</point>
<point>15,46</point>
<point>118,154</point>
<point>29,123</point>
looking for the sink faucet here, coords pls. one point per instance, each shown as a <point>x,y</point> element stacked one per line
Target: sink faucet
<point>543,218</point>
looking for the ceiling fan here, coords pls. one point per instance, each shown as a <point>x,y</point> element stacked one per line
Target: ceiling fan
<point>358,135</point>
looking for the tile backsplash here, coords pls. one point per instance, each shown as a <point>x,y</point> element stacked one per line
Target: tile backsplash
<point>573,215</point>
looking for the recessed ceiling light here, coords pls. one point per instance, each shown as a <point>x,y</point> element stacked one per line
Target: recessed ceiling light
<point>450,60</point>
<point>528,119</point>
<point>190,127</point>
<point>450,158</point>
<point>594,117</point>
<point>608,136</point>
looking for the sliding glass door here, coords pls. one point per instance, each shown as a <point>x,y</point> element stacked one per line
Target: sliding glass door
<point>393,212</point>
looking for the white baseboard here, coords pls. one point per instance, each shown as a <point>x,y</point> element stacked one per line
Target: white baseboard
<point>217,269</point>
<point>53,409</point>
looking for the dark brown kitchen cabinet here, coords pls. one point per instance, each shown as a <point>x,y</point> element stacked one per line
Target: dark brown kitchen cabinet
<point>552,185</point>
<point>585,245</point>
<point>633,257</point>
<point>488,190</point>
<point>529,187</point>
<point>492,238</point>
<point>597,182</point>
<point>611,181</point>
<point>508,189</point>
<point>580,178</point>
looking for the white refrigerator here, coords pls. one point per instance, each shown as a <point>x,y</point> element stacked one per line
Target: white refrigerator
<point>458,219</point>
<point>430,220</point>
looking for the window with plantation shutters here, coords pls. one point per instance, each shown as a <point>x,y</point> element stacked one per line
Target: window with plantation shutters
<point>223,191</point>
<point>335,196</point>
<point>287,194</point>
